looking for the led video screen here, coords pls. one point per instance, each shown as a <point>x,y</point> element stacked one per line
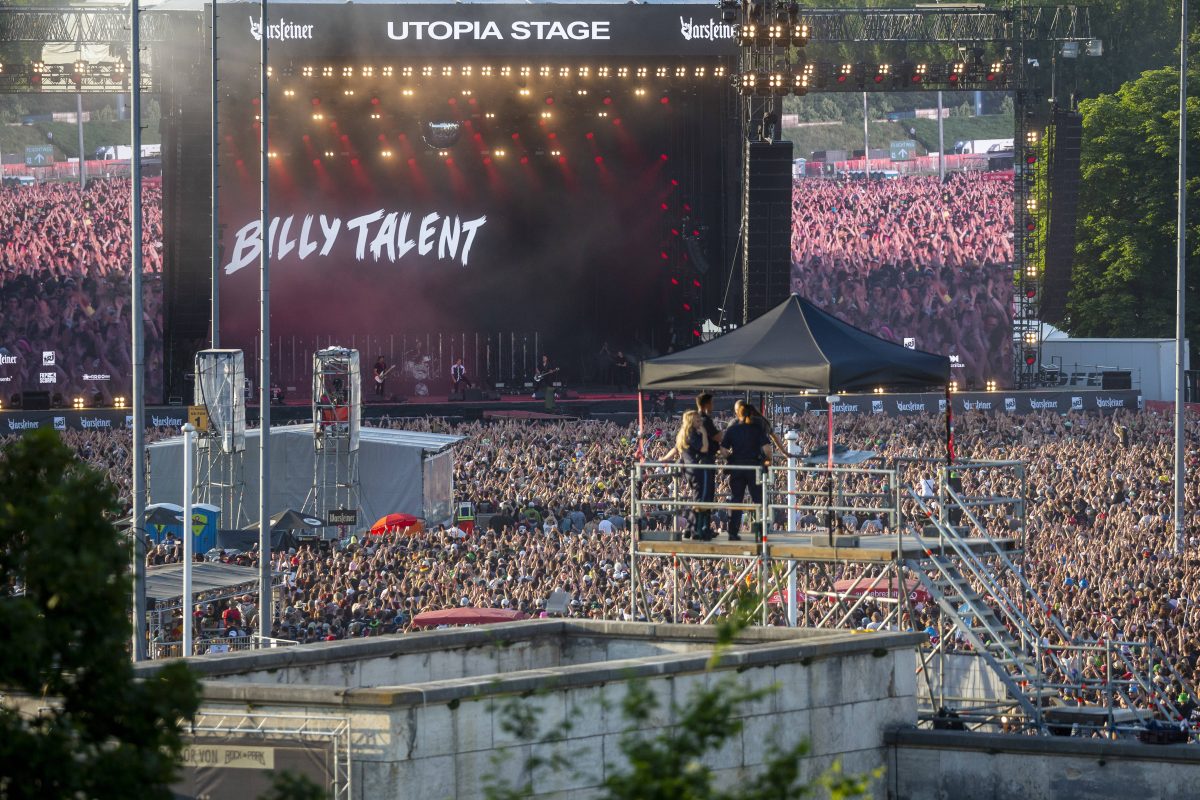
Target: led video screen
<point>916,252</point>
<point>65,263</point>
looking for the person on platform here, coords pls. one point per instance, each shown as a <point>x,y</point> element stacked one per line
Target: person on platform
<point>458,376</point>
<point>749,446</point>
<point>704,403</point>
<point>692,446</point>
<point>380,371</point>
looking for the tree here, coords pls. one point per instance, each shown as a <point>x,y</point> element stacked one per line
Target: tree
<point>1124,273</point>
<point>64,621</point>
<point>670,764</point>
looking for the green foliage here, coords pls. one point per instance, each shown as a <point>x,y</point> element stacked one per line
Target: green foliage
<point>64,622</point>
<point>1124,274</point>
<point>671,763</point>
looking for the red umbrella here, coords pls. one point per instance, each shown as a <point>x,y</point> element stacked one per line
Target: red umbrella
<point>465,615</point>
<point>394,522</point>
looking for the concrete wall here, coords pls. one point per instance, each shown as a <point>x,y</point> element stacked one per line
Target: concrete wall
<point>950,765</point>
<point>443,733</point>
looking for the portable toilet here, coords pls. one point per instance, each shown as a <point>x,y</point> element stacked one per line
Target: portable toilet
<point>205,523</point>
<point>465,518</point>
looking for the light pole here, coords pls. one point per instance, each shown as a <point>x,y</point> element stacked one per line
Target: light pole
<point>185,648</point>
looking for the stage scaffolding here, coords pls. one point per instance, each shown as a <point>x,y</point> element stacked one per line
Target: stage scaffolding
<point>910,536</point>
<point>221,444</point>
<point>337,414</point>
<point>335,732</point>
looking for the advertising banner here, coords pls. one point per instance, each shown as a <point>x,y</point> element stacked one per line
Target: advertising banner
<point>409,31</point>
<point>990,402</point>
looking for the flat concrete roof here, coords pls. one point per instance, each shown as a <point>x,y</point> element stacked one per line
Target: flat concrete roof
<point>754,647</point>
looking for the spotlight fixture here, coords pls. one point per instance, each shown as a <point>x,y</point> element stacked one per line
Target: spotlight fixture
<point>118,402</point>
<point>954,386</point>
<point>78,403</point>
<point>992,385</point>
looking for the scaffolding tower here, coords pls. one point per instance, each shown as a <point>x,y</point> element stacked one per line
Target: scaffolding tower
<point>337,413</point>
<point>911,536</point>
<point>221,443</point>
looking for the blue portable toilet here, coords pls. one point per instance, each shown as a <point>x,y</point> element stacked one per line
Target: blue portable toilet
<point>205,523</point>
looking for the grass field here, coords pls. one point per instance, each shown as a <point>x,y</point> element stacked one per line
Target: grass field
<point>849,136</point>
<point>15,138</point>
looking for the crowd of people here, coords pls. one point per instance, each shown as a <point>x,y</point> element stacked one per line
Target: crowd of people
<point>64,278</point>
<point>552,500</point>
<point>913,259</point>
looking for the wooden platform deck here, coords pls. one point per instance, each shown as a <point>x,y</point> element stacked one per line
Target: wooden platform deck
<point>801,547</point>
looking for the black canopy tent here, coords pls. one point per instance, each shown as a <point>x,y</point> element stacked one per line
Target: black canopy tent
<point>798,347</point>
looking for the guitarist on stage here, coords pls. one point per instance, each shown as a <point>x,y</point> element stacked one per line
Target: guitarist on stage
<point>543,373</point>
<point>381,370</point>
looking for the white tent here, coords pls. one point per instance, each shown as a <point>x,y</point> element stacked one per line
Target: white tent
<point>399,472</point>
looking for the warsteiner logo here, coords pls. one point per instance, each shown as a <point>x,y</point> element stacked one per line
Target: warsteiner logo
<point>95,422</point>
<point>22,424</point>
<point>1110,402</point>
<point>281,31</point>
<point>710,31</point>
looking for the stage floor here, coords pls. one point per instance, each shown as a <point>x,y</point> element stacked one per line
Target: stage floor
<point>801,547</point>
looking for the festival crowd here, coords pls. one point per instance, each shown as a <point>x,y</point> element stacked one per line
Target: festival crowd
<point>913,259</point>
<point>64,279</point>
<point>552,500</point>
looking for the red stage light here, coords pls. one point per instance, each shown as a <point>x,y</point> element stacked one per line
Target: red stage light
<point>305,137</point>
<point>382,137</point>
<point>316,101</point>
<point>695,333</point>
<point>452,101</point>
<point>551,135</point>
<point>254,101</point>
<point>607,101</point>
<point>879,79</point>
<point>450,160</point>
<point>664,100</point>
<point>696,283</point>
<point>674,281</point>
<point>841,78</point>
<point>470,101</point>
<point>240,163</point>
<point>674,231</point>
<point>479,137</point>
<point>687,306</point>
<point>524,159</point>
<point>549,99</point>
<point>562,159</point>
<point>663,157</point>
<point>354,162</point>
<point>674,182</point>
<point>487,159</point>
<point>374,101</point>
<point>345,137</point>
<point>663,206</point>
<point>599,159</point>
<point>516,136</point>
<point>663,255</point>
<point>695,232</point>
<point>316,162</point>
<point>589,135</point>
<point>403,137</point>
<point>616,120</point>
<point>412,162</point>
<point>687,207</point>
